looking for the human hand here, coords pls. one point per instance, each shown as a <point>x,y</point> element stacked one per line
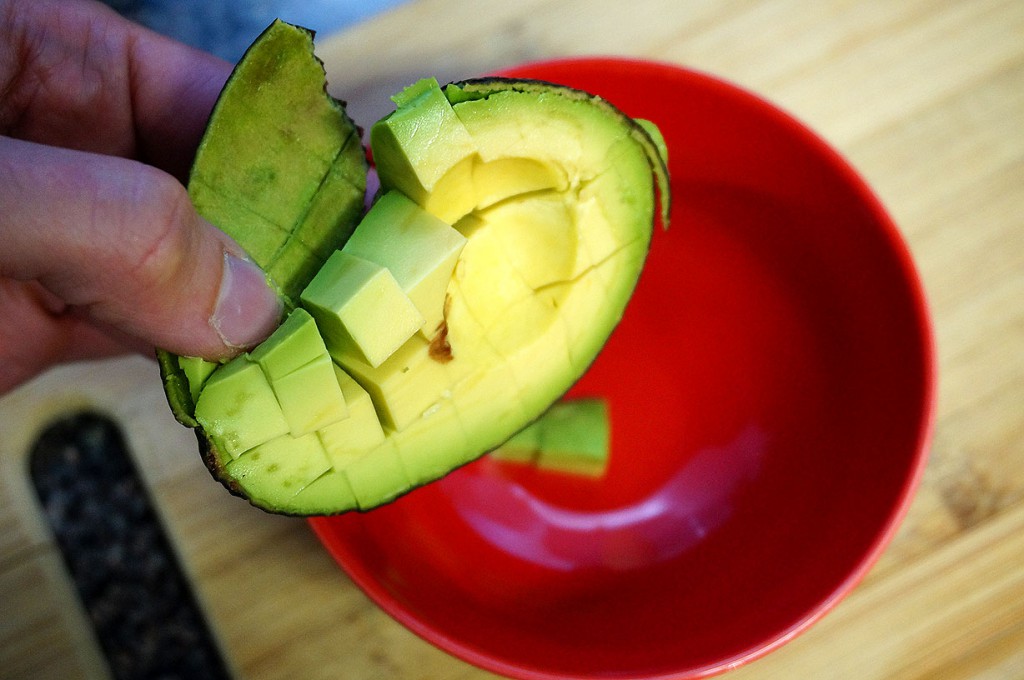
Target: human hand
<point>101,250</point>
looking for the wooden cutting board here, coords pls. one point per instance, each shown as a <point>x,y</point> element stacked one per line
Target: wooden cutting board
<point>925,97</point>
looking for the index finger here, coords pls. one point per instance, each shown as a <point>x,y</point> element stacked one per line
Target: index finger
<point>77,75</point>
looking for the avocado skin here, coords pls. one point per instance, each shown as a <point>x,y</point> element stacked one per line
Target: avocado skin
<point>175,383</point>
<point>211,458</point>
<point>280,168</point>
<point>176,389</point>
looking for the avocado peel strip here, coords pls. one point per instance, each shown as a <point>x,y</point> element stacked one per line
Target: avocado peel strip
<point>274,128</point>
<point>512,224</point>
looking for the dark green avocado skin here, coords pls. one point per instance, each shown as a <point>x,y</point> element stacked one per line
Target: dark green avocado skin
<point>232,151</point>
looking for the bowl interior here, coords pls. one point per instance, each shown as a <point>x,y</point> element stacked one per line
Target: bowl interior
<point>771,397</point>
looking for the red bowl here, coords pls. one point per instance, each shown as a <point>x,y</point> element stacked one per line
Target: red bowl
<point>772,397</point>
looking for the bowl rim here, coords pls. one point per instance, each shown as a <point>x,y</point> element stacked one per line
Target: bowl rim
<point>924,323</point>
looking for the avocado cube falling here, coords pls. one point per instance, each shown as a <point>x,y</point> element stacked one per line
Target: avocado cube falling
<point>513,221</point>
<point>523,446</point>
<point>574,436</point>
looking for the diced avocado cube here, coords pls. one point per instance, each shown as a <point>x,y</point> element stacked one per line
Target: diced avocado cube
<point>310,397</point>
<point>238,409</point>
<point>424,151</point>
<point>360,309</point>
<point>417,248</point>
<point>295,343</point>
<point>301,373</point>
<point>277,470</point>
<point>432,444</point>
<point>404,386</point>
<point>350,438</point>
<point>329,493</point>
<point>196,370</point>
<point>378,476</point>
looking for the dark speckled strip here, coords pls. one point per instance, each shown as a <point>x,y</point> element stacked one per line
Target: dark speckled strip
<point>145,617</point>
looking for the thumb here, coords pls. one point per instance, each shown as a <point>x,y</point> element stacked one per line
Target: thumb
<point>121,241</point>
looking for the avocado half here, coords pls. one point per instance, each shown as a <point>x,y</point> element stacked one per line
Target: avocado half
<point>512,224</point>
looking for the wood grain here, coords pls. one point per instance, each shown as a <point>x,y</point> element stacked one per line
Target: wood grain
<point>925,97</point>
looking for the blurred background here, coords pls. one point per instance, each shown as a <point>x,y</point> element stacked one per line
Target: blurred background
<point>227,28</point>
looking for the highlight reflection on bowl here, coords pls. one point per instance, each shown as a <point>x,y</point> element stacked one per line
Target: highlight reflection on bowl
<point>692,503</point>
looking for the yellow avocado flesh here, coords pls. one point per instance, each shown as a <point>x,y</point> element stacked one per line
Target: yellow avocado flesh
<point>509,234</point>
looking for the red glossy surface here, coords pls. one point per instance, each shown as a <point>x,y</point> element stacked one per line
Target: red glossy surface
<point>771,392</point>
